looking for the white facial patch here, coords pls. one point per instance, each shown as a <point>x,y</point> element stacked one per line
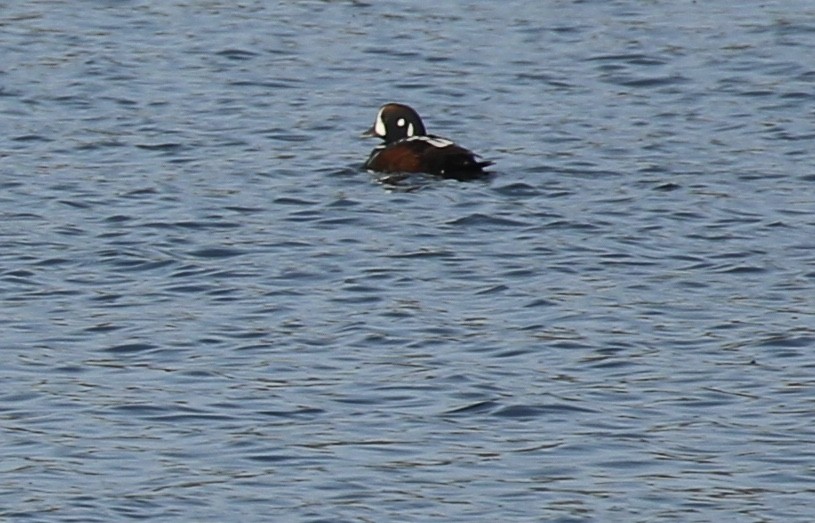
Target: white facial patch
<point>379,126</point>
<point>410,130</point>
<point>400,122</point>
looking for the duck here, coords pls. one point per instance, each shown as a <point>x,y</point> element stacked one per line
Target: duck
<point>407,148</point>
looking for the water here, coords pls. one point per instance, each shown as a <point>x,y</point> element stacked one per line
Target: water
<point>210,313</point>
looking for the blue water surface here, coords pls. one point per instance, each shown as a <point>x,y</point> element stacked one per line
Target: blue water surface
<point>210,312</point>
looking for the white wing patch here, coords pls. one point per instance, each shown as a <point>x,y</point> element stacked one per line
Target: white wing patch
<point>435,141</point>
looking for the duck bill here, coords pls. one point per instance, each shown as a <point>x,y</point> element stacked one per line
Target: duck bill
<point>370,133</point>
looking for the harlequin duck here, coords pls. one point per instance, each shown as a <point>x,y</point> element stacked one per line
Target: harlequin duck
<point>409,149</point>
